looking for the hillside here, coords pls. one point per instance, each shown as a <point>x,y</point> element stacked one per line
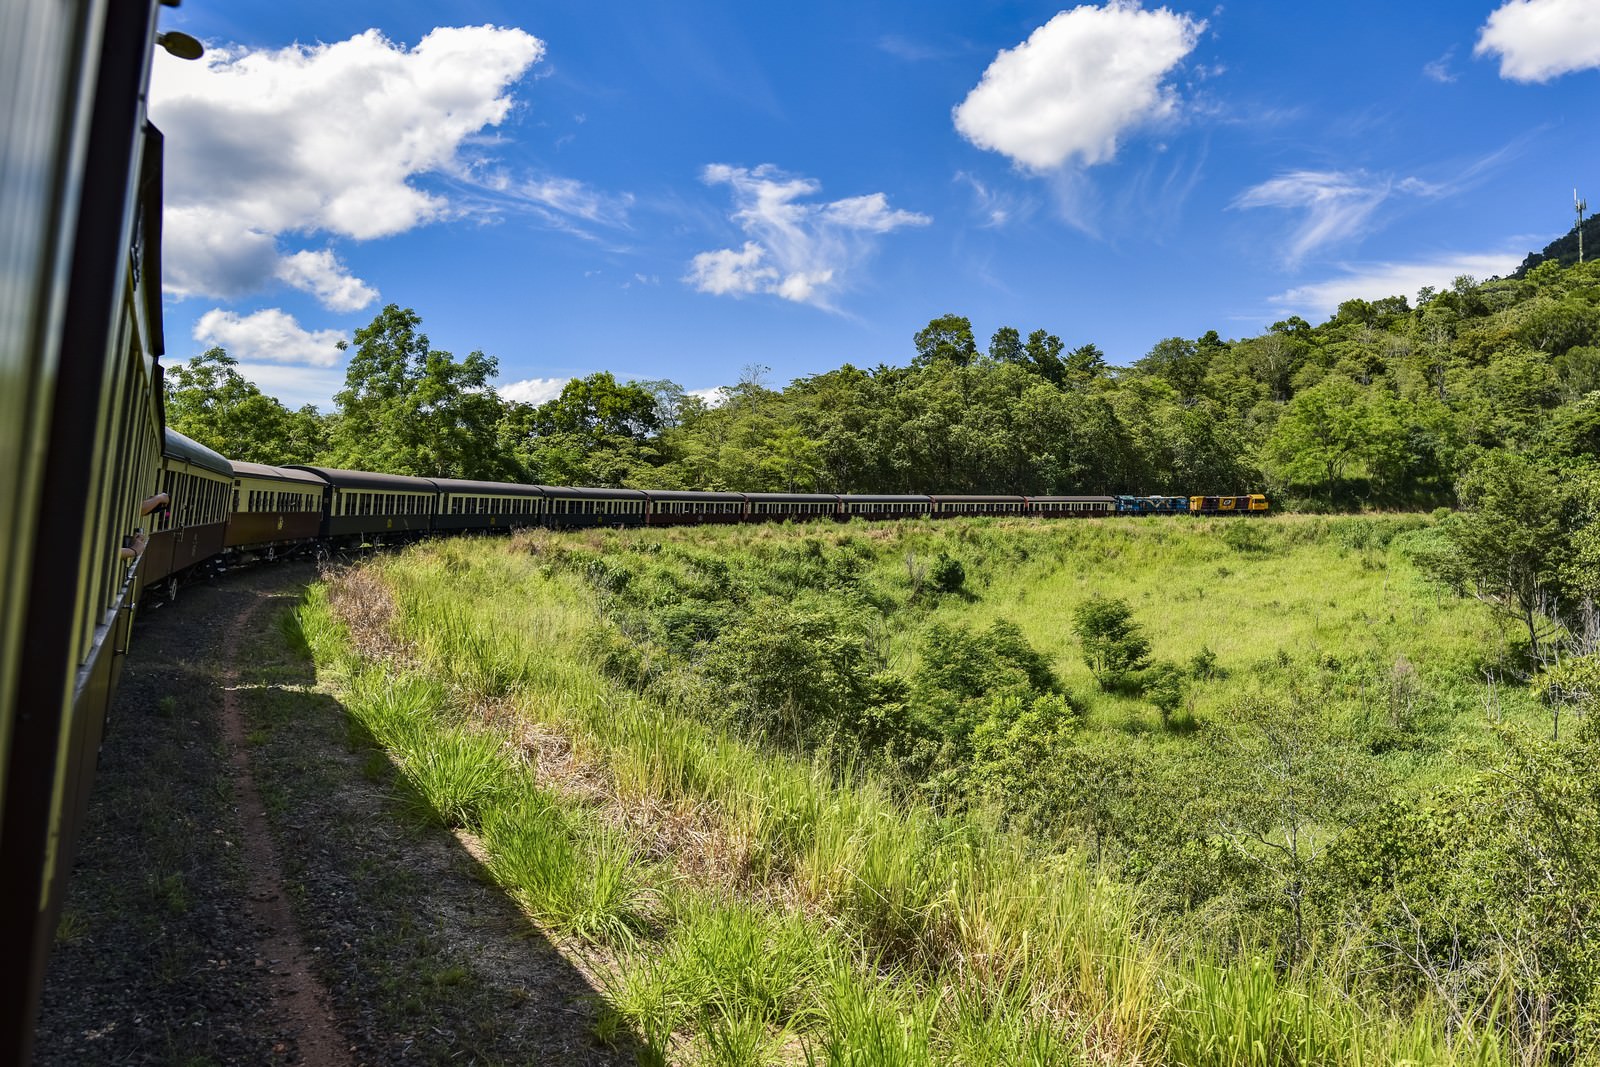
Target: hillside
<point>855,789</point>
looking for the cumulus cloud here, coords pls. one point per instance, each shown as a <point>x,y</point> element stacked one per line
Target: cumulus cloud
<point>533,390</point>
<point>325,138</point>
<point>323,276</point>
<point>295,386</point>
<point>1336,205</point>
<point>1368,281</point>
<point>797,248</point>
<point>1081,81</point>
<point>1538,40</point>
<point>269,335</point>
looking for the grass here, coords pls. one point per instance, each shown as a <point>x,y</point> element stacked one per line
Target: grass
<point>830,918</point>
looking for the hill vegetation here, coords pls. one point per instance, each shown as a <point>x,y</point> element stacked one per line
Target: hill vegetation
<point>1007,791</point>
<point>1387,404</point>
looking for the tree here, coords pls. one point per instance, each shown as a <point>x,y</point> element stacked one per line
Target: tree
<point>1006,346</point>
<point>1181,362</point>
<point>408,409</point>
<point>209,400</point>
<point>1291,788</point>
<point>1508,545</point>
<point>1044,356</point>
<point>1318,435</point>
<point>1114,644</point>
<point>947,339</point>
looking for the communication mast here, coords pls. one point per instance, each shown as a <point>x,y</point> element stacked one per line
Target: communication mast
<point>1580,205</point>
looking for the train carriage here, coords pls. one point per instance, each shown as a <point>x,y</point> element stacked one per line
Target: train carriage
<point>951,506</point>
<point>880,508</point>
<point>359,507</point>
<point>470,505</point>
<point>273,507</point>
<point>80,433</point>
<point>1072,507</point>
<point>193,528</point>
<point>790,507</point>
<point>568,506</point>
<point>673,507</point>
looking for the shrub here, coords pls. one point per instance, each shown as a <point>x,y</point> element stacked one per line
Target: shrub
<point>1113,644</point>
<point>947,574</point>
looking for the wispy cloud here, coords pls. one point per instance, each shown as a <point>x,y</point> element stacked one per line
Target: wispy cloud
<point>1080,82</point>
<point>1538,40</point>
<point>1335,205</point>
<point>912,51</point>
<point>797,248</point>
<point>994,206</point>
<point>1371,281</point>
<point>1439,69</point>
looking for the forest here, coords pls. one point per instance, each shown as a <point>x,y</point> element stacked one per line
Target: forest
<point>1385,405</point>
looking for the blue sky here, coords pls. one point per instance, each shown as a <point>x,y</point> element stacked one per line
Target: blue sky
<point>685,190</point>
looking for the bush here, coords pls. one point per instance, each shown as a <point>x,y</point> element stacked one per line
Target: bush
<point>1114,645</point>
<point>947,574</point>
<point>1163,685</point>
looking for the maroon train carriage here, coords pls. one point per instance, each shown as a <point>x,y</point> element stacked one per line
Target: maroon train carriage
<point>1072,507</point>
<point>791,507</point>
<point>950,506</point>
<point>675,507</point>
<point>273,508</point>
<point>469,505</point>
<point>194,526</point>
<point>567,506</point>
<point>362,508</point>
<point>877,508</point>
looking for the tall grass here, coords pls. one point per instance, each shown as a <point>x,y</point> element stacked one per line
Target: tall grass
<point>878,932</point>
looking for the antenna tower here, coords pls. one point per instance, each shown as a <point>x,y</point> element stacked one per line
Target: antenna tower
<point>1580,205</point>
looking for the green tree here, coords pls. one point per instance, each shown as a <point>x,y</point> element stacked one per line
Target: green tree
<point>409,409</point>
<point>1508,544</point>
<point>1113,644</point>
<point>1320,432</point>
<point>1006,346</point>
<point>947,339</point>
<point>209,400</point>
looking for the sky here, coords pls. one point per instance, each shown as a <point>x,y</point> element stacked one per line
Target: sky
<point>707,191</point>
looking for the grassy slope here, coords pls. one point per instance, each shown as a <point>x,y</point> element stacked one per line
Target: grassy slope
<point>899,901</point>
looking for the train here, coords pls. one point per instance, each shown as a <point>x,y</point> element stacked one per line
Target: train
<point>222,510</point>
<point>84,448</point>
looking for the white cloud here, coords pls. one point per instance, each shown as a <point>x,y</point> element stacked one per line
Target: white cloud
<point>326,138</point>
<point>801,251</point>
<point>1077,84</point>
<point>533,390</point>
<point>296,386</point>
<point>1336,204</point>
<point>1538,40</point>
<point>1372,281</point>
<point>1439,69</point>
<point>323,276</point>
<point>269,335</point>
<point>714,397</point>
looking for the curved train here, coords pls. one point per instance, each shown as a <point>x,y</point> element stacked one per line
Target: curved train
<point>223,510</point>
<point>82,443</point>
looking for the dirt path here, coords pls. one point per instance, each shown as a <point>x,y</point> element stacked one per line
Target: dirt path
<point>250,890</point>
<point>300,1002</point>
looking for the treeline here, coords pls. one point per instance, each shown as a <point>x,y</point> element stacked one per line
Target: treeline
<point>1385,404</point>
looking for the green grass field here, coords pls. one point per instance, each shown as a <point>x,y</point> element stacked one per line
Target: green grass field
<point>765,889</point>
